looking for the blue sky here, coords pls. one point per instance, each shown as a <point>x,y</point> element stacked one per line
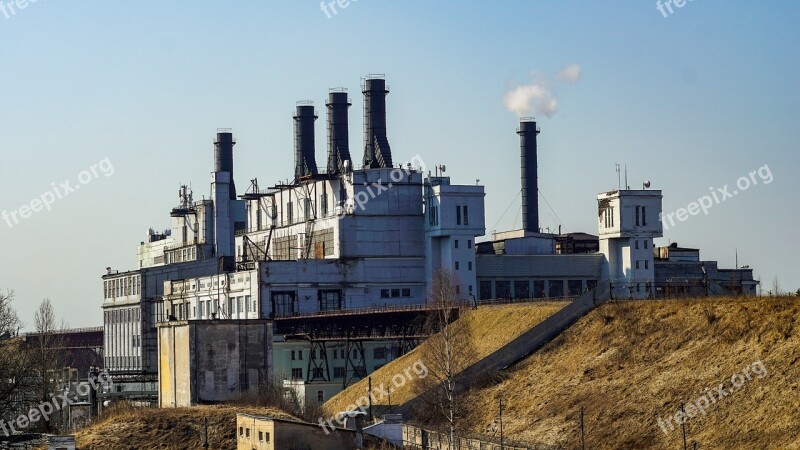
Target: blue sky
<point>690,101</point>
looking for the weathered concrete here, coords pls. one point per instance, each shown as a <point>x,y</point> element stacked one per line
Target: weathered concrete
<point>212,361</point>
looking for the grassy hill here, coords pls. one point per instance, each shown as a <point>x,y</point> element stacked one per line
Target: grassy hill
<point>629,364</point>
<point>490,328</point>
<point>179,428</point>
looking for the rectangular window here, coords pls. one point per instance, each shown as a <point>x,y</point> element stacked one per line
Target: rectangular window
<point>395,293</point>
<point>284,303</point>
<point>200,305</point>
<point>323,205</point>
<point>485,290</point>
<point>289,213</point>
<point>469,243</point>
<point>466,216</point>
<point>636,243</point>
<point>575,287</point>
<point>260,436</point>
<point>406,292</point>
<point>246,303</point>
<point>338,372</point>
<point>638,209</point>
<point>320,396</point>
<point>385,293</point>
<point>469,265</point>
<point>458,214</point>
<point>330,300</point>
<point>646,264</point>
<point>456,265</point>
<point>556,288</point>
<point>522,289</point>
<point>456,243</point>
<point>241,431</point>
<point>297,373</point>
<point>300,355</point>
<point>645,243</point>
<point>247,433</point>
<point>294,355</point>
<point>502,289</point>
<point>637,264</point>
<point>644,216</point>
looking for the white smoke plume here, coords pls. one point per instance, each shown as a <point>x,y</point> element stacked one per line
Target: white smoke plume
<point>540,93</point>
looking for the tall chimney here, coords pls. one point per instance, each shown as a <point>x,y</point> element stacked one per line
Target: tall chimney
<point>527,132</point>
<point>304,160</point>
<point>338,134</point>
<point>377,152</point>
<point>223,155</point>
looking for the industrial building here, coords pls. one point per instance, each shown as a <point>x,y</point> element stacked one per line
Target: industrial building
<point>340,260</point>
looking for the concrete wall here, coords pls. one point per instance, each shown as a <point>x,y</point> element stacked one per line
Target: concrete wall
<point>212,361</point>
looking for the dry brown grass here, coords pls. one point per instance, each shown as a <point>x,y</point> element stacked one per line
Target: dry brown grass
<point>178,428</point>
<point>490,328</point>
<point>629,363</point>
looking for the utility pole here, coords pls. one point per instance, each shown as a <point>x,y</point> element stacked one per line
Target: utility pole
<point>205,421</point>
<point>683,426</point>
<point>502,440</point>
<point>583,441</point>
<point>369,397</point>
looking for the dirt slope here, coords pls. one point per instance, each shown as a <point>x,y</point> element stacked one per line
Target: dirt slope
<point>491,327</point>
<point>629,364</point>
<point>180,428</point>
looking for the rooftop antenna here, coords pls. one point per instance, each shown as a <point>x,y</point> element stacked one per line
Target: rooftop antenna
<point>627,186</point>
<point>619,180</point>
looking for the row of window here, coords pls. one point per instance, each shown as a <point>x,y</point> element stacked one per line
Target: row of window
<point>263,436</point>
<point>541,288</point>
<point>457,266</point>
<point>645,243</point>
<point>123,362</point>
<point>115,316</point>
<point>641,216</point>
<point>462,215</point>
<point>608,217</point>
<point>377,353</point>
<point>122,286</point>
<point>395,292</point>
<point>180,255</point>
<point>469,243</point>
<point>338,372</point>
<point>645,264</point>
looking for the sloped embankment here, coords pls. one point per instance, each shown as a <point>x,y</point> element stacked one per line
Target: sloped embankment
<point>490,328</point>
<point>629,364</point>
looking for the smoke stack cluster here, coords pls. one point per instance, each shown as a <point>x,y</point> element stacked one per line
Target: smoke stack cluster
<point>528,132</point>
<point>377,152</point>
<point>305,163</point>
<point>223,155</point>
<point>338,134</point>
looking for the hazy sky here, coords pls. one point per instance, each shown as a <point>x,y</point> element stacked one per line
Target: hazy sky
<point>691,101</point>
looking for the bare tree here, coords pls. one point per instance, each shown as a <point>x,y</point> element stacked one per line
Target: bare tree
<point>46,349</point>
<point>17,375</point>
<point>776,287</point>
<point>448,353</point>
